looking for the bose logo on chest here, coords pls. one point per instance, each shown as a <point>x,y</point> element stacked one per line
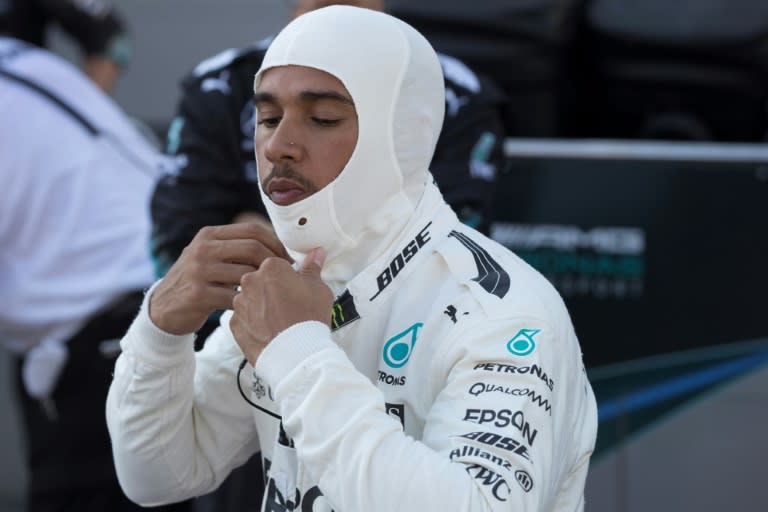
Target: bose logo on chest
<point>398,263</point>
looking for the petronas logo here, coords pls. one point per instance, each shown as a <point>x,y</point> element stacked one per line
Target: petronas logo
<point>522,343</point>
<point>398,348</point>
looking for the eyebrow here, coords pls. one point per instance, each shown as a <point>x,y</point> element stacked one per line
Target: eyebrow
<point>308,95</point>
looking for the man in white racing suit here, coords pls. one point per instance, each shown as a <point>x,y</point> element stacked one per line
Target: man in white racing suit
<point>445,375</point>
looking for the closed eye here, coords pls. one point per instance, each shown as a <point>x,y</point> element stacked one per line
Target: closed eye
<point>326,122</point>
<point>269,122</point>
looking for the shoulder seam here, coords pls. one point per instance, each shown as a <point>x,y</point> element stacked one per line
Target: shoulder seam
<point>228,57</point>
<point>457,72</point>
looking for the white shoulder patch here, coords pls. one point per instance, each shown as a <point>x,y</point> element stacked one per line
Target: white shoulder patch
<point>458,72</point>
<point>225,58</point>
<point>218,61</point>
<point>263,44</point>
<point>94,8</point>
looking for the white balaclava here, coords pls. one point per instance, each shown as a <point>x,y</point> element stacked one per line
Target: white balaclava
<point>396,84</point>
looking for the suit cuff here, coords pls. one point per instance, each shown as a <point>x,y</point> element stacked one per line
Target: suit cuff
<point>154,345</point>
<point>290,348</point>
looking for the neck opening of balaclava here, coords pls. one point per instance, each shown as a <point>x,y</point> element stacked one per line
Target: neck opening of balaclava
<point>396,83</point>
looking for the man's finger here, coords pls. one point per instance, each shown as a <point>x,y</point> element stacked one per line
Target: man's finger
<point>220,296</point>
<point>248,231</point>
<point>243,251</point>
<point>313,262</point>
<point>228,274</point>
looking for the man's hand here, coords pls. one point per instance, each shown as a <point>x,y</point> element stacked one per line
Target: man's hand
<point>275,297</point>
<point>206,275</point>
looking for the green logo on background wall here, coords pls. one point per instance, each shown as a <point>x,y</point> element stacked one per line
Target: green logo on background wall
<point>522,343</point>
<point>398,348</point>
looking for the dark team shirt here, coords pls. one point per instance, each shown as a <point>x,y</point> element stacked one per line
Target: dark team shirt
<point>95,26</point>
<point>214,177</point>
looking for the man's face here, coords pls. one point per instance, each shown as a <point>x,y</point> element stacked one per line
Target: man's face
<point>302,6</point>
<point>306,131</point>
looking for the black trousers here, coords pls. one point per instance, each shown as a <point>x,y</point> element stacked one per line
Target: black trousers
<point>69,457</point>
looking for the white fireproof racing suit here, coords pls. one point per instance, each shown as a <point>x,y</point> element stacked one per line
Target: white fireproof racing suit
<point>451,380</point>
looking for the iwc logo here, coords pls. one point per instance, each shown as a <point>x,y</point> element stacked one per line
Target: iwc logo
<point>522,343</point>
<point>398,348</point>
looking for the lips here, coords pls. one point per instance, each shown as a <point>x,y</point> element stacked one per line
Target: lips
<point>283,191</point>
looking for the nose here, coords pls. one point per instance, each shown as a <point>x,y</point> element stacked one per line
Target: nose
<point>284,143</point>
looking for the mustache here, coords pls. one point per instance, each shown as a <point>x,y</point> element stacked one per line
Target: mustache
<point>288,172</point>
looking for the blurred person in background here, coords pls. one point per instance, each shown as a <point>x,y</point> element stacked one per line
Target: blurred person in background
<point>74,261</point>
<point>95,26</point>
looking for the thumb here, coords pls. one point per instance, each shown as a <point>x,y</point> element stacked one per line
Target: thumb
<point>312,263</point>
